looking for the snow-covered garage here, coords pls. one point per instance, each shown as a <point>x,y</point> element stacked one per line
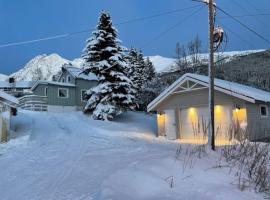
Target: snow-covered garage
<point>182,110</point>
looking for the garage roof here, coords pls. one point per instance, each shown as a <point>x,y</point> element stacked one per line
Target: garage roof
<point>234,89</point>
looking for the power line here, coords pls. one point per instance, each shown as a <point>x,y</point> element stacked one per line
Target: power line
<point>53,37</point>
<point>247,11</point>
<point>249,15</point>
<point>172,27</point>
<point>244,25</point>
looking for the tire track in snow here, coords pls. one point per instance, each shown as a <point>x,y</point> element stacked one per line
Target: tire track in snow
<point>76,157</point>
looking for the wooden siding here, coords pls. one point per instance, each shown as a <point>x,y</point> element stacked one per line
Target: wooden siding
<point>53,98</point>
<point>258,126</point>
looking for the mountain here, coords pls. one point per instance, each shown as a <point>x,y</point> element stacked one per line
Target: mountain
<point>42,67</point>
<point>163,64</point>
<point>3,77</point>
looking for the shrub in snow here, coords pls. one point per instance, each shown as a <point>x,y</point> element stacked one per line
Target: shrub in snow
<point>251,163</point>
<point>104,56</point>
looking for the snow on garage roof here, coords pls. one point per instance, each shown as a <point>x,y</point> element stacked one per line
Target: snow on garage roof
<point>78,73</point>
<point>234,89</point>
<point>9,99</point>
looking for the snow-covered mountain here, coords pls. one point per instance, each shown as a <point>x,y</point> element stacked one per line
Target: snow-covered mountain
<point>3,77</point>
<point>163,64</point>
<point>42,67</point>
<point>45,66</point>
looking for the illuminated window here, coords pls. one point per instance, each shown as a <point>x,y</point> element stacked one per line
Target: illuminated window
<point>264,110</point>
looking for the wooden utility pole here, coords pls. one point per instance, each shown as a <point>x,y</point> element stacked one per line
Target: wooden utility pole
<point>211,72</point>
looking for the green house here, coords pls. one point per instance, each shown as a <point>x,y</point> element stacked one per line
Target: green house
<point>66,94</point>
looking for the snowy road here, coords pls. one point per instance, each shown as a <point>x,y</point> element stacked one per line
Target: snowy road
<point>68,156</point>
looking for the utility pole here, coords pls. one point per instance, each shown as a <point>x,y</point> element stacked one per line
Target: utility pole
<point>211,73</point>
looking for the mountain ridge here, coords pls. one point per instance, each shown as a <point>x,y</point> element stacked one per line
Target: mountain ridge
<point>43,67</point>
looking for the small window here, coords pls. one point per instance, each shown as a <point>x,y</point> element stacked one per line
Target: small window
<point>68,79</point>
<point>46,92</point>
<point>62,93</point>
<point>83,95</point>
<point>63,80</point>
<point>264,110</point>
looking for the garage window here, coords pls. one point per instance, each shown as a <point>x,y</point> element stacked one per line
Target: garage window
<point>264,110</point>
<point>62,93</point>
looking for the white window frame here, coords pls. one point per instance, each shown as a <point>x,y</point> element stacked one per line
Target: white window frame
<point>82,95</point>
<point>46,91</point>
<point>63,80</point>
<point>68,78</point>
<point>266,107</point>
<point>63,89</point>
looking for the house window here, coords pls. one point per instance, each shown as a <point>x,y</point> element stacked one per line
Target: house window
<point>264,110</point>
<point>68,79</point>
<point>62,93</point>
<point>63,80</point>
<point>83,95</point>
<point>46,92</point>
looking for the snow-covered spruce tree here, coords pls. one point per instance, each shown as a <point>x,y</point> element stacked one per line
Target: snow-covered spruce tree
<point>136,68</point>
<point>150,71</point>
<point>141,72</point>
<point>104,56</point>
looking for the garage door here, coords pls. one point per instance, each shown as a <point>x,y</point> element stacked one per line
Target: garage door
<point>194,124</point>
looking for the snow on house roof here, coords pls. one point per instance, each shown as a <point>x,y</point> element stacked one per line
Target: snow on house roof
<point>9,99</point>
<point>52,83</point>
<point>234,89</point>
<point>78,73</point>
<point>17,84</point>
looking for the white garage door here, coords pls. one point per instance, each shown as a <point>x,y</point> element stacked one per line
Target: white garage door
<point>194,123</point>
<point>170,124</point>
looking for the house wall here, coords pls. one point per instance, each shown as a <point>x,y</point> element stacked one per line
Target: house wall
<point>258,126</point>
<point>82,84</point>
<point>197,98</point>
<point>65,74</point>
<point>53,98</point>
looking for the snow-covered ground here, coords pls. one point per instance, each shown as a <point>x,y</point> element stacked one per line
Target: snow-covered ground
<point>68,156</point>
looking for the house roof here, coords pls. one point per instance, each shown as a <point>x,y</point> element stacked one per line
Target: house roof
<point>8,99</point>
<point>17,84</point>
<point>78,73</point>
<point>52,83</point>
<point>234,89</point>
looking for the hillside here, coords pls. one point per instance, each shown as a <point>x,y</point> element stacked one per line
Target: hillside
<point>203,59</point>
<point>253,70</point>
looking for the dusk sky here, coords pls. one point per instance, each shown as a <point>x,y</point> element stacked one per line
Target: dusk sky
<point>22,20</point>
